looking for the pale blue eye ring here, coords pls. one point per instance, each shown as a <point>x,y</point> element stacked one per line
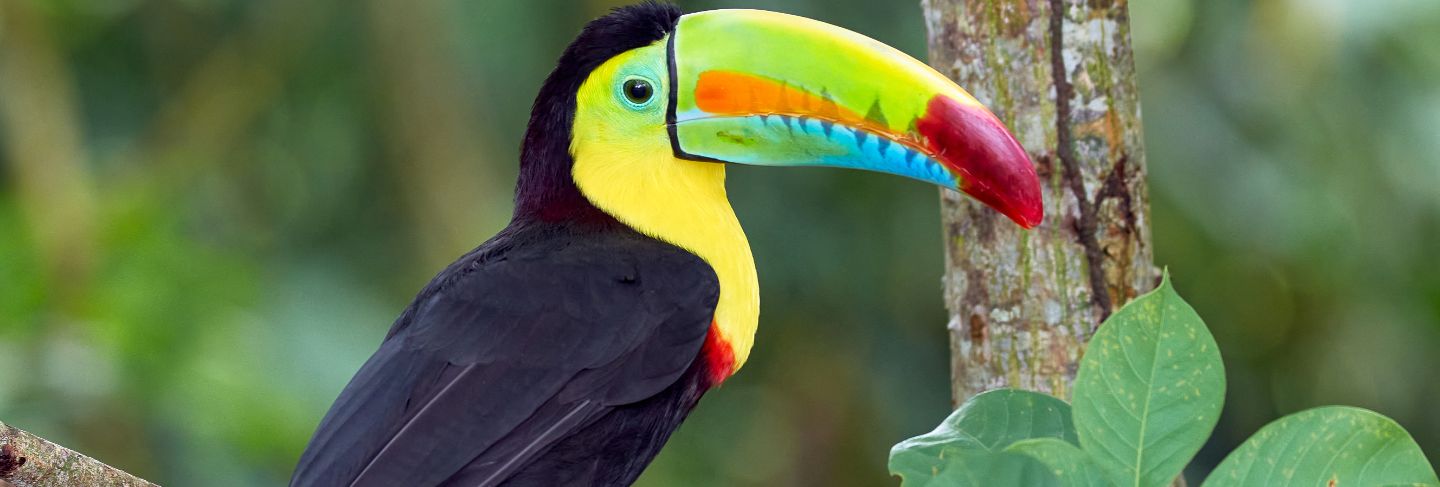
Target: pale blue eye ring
<point>637,92</point>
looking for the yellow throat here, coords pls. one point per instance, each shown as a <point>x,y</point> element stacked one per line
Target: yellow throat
<point>629,170</point>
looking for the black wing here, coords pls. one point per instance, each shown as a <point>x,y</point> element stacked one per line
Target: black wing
<point>509,352</point>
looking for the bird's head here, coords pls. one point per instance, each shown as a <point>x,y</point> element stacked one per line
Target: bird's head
<point>647,100</point>
<point>646,107</point>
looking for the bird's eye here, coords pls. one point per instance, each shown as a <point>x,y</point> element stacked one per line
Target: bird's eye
<point>638,91</point>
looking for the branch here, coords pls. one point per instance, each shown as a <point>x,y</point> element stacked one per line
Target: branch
<point>27,460</point>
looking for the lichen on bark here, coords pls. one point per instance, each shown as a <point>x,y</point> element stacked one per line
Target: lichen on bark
<point>27,460</point>
<point>1060,74</point>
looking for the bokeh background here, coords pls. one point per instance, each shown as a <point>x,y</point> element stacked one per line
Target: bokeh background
<point>211,210</point>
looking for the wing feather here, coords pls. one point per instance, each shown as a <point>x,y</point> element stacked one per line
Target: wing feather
<point>508,351</point>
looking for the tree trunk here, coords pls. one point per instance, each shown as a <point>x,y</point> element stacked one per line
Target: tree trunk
<point>27,460</point>
<point>1060,74</point>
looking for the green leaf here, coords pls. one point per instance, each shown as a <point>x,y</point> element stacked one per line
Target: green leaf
<point>1149,390</point>
<point>984,468</point>
<point>1336,445</point>
<point>988,422</point>
<point>992,420</point>
<point>1071,465</point>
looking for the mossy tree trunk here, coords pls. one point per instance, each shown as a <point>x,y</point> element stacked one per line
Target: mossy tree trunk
<point>1060,74</point>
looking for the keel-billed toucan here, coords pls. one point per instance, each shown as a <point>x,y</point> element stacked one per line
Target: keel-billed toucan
<point>566,349</point>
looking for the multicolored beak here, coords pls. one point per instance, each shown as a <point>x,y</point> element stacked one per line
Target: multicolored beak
<point>770,89</point>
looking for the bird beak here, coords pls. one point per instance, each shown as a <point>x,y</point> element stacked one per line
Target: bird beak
<point>770,89</point>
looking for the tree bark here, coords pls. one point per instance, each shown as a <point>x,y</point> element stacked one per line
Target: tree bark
<point>27,460</point>
<point>1060,74</point>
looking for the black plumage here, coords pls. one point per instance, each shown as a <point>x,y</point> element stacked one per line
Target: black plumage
<point>572,345</point>
<point>564,351</point>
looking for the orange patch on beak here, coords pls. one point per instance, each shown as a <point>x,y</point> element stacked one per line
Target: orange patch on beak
<point>728,93</point>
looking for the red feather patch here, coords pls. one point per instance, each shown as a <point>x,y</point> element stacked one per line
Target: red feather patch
<point>718,356</point>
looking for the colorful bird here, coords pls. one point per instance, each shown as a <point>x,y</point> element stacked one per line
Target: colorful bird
<point>566,349</point>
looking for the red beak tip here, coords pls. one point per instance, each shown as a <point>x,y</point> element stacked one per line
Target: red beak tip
<point>992,166</point>
<point>1031,219</point>
<point>1022,202</point>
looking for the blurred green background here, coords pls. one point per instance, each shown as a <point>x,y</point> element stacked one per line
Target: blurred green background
<point>211,210</point>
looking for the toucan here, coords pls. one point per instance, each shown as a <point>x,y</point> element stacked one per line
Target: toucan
<point>566,349</point>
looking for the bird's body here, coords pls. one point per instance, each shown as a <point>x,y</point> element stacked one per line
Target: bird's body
<point>583,343</point>
<point>567,349</point>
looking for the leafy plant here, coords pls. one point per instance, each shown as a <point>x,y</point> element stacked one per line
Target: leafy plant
<point>1147,395</point>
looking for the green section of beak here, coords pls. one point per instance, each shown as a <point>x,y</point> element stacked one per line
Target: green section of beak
<point>763,88</point>
<point>858,73</point>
